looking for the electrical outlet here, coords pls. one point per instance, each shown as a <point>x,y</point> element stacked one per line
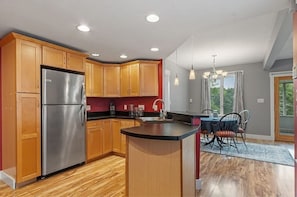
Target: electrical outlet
<point>88,108</point>
<point>125,107</point>
<point>141,107</point>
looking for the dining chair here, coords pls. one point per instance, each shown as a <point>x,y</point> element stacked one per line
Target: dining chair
<point>245,117</point>
<point>228,125</point>
<point>205,132</point>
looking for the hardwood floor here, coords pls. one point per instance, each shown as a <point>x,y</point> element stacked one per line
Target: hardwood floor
<point>221,176</point>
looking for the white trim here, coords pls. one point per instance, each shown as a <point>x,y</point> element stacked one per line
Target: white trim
<point>260,137</point>
<point>198,184</point>
<point>272,75</point>
<point>8,180</point>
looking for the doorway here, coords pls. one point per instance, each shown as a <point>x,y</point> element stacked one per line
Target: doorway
<point>284,108</point>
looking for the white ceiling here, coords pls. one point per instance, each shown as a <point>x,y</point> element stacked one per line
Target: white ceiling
<point>238,31</point>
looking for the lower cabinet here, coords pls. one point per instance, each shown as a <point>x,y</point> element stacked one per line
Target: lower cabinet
<point>99,138</point>
<point>104,136</point>
<point>119,140</point>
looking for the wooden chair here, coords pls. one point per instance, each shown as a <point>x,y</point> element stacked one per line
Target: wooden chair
<point>227,128</point>
<point>245,117</point>
<point>205,132</point>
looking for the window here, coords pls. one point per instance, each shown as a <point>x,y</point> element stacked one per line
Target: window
<point>286,106</point>
<point>221,94</point>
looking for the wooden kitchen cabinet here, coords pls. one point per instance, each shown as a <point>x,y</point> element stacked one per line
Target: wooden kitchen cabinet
<point>28,57</point>
<point>28,137</point>
<point>57,57</point>
<point>129,79</point>
<point>99,138</point>
<point>119,140</point>
<point>53,57</point>
<point>94,139</point>
<point>20,75</point>
<point>94,79</point>
<point>149,80</point>
<point>111,80</point>
<point>75,62</point>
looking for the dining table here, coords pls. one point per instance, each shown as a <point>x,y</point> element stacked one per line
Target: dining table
<point>213,124</point>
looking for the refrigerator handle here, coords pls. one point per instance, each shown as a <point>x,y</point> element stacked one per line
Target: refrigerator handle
<point>83,104</point>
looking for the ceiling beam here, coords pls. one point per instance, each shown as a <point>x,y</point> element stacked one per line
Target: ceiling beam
<point>282,32</point>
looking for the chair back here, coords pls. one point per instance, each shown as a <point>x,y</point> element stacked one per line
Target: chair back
<point>207,111</point>
<point>230,122</point>
<point>245,117</point>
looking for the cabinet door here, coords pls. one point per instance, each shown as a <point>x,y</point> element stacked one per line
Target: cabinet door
<point>125,80</point>
<point>111,80</point>
<point>53,57</point>
<point>28,137</point>
<point>28,66</point>
<point>89,79</point>
<point>134,79</point>
<point>75,62</point>
<point>97,80</point>
<point>125,124</point>
<point>149,79</point>
<point>94,139</point>
<point>107,136</point>
<point>116,136</point>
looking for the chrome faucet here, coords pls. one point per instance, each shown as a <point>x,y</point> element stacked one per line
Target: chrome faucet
<point>162,111</point>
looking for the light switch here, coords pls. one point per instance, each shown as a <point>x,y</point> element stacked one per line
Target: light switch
<point>191,100</point>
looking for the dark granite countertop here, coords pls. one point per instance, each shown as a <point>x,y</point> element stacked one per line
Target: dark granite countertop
<point>161,131</point>
<point>186,113</point>
<point>118,114</point>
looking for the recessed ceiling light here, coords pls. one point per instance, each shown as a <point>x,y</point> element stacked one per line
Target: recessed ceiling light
<point>123,56</point>
<point>95,54</point>
<point>152,18</point>
<point>83,28</point>
<point>154,49</point>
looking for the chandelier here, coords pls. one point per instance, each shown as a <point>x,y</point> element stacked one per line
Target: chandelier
<point>214,74</point>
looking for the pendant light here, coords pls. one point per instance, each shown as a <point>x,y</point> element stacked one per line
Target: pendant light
<point>192,75</point>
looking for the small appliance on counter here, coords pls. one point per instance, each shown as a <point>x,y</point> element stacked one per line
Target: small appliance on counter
<point>112,109</point>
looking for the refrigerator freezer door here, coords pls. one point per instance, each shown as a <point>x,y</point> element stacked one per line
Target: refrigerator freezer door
<point>60,87</point>
<point>63,137</point>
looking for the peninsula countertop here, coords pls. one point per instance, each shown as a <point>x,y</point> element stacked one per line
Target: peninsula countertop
<point>161,131</point>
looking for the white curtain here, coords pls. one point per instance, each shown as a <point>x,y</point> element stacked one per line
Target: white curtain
<point>205,100</point>
<point>238,104</point>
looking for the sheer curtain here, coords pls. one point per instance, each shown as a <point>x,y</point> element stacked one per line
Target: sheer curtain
<point>238,104</point>
<point>205,100</point>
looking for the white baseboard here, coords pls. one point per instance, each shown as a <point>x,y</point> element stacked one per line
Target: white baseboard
<point>198,184</point>
<point>8,180</point>
<point>260,137</point>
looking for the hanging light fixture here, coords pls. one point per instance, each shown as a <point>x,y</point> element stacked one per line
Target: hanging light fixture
<point>176,80</point>
<point>215,73</point>
<point>192,72</point>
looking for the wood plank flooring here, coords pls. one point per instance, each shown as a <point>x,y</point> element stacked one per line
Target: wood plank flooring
<point>221,176</point>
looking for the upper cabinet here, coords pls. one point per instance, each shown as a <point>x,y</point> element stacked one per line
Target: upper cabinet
<point>139,78</point>
<point>53,57</point>
<point>75,62</point>
<point>63,59</point>
<point>149,80</point>
<point>130,79</point>
<point>28,55</point>
<point>111,80</point>
<point>94,79</point>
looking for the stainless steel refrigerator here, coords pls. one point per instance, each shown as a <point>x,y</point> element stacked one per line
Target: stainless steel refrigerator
<point>63,120</point>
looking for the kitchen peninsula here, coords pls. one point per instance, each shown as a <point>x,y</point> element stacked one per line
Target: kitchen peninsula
<point>160,159</point>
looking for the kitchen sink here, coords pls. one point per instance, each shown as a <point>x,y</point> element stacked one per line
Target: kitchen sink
<point>154,119</point>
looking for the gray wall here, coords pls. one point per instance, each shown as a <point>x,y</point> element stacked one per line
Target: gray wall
<point>178,94</point>
<point>256,85</point>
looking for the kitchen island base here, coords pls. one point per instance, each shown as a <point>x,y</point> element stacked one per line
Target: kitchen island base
<point>160,167</point>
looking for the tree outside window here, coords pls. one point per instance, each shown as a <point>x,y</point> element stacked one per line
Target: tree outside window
<point>221,94</point>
